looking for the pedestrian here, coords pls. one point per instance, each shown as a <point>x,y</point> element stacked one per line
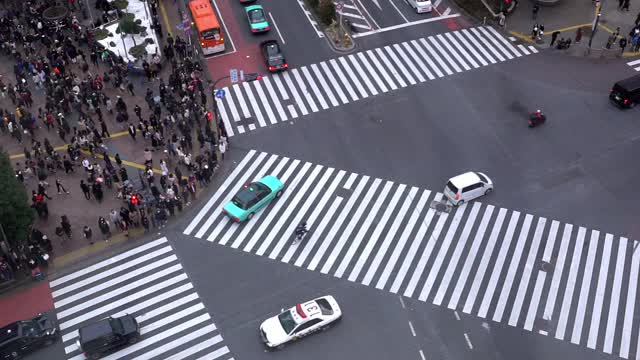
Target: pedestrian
<point>623,44</point>
<point>145,222</point>
<point>148,157</point>
<point>130,88</point>
<point>66,226</point>
<point>88,234</point>
<point>96,188</point>
<point>223,149</point>
<point>85,190</point>
<point>103,224</point>
<point>60,187</point>
<point>132,131</point>
<point>578,35</point>
<point>118,160</point>
<point>625,5</point>
<point>115,218</point>
<point>613,38</point>
<point>68,166</point>
<point>536,8</point>
<point>554,36</point>
<point>138,111</point>
<point>104,131</point>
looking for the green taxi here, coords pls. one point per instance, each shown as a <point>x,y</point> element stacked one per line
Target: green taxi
<point>253,197</point>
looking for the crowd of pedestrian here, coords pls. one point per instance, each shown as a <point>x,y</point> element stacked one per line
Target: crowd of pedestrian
<point>84,87</point>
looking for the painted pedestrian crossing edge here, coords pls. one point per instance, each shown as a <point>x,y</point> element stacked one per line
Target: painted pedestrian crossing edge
<point>339,81</point>
<point>635,64</point>
<point>149,283</point>
<point>565,281</point>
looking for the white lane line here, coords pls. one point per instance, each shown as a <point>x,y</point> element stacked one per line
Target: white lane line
<point>413,220</point>
<point>311,21</point>
<point>402,302</point>
<point>243,105</point>
<point>296,96</point>
<point>325,86</point>
<point>615,297</point>
<point>426,254</point>
<point>310,243</point>
<point>296,219</point>
<point>352,15</point>
<point>471,257</point>
<point>400,26</point>
<point>413,332</point>
<point>413,249</point>
<point>422,355</point>
<point>526,273</point>
<point>275,210</point>
<point>455,313</point>
<point>446,12</point>
<point>277,28</point>
<point>338,224</point>
<point>382,70</point>
<point>226,31</point>
<point>394,71</point>
<point>557,272</point>
<point>444,54</point>
<point>213,199</point>
<point>513,267</point>
<point>353,77</point>
<point>362,231</point>
<point>373,73</point>
<point>478,36</point>
<point>461,50</point>
<point>343,79</point>
<point>398,10</point>
<point>571,284</point>
<point>363,75</point>
<point>584,290</point>
<point>333,256</point>
<point>399,64</point>
<point>435,55</point>
<point>523,49</point>
<point>368,14</point>
<point>274,98</point>
<point>280,86</point>
<point>496,43</point>
<point>627,328</point>
<point>314,87</point>
<point>304,90</point>
<point>232,106</point>
<point>497,269</point>
<point>551,240</point>
<point>469,344</point>
<point>334,82</point>
<point>411,65</point>
<point>417,60</point>
<point>484,263</point>
<point>361,26</point>
<point>265,103</point>
<point>225,117</point>
<point>437,3</point>
<point>457,254</point>
<point>473,42</point>
<point>267,221</point>
<point>292,111</point>
<point>207,344</point>
<point>391,233</point>
<point>426,57</point>
<point>600,292</point>
<point>113,260</point>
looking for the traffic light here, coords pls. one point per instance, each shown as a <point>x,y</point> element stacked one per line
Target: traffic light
<point>209,116</point>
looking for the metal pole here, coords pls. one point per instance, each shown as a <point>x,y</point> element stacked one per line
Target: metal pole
<point>90,13</point>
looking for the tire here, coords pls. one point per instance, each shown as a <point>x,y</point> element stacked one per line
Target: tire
<point>14,355</point>
<point>250,216</point>
<point>133,340</point>
<point>94,356</point>
<point>488,191</point>
<point>278,194</point>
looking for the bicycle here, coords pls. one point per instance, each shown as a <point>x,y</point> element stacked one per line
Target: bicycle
<point>300,232</point>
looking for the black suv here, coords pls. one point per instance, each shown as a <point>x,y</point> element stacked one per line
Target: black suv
<point>22,337</point>
<point>108,335</point>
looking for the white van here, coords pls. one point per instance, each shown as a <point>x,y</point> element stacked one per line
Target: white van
<point>467,186</point>
<point>421,6</point>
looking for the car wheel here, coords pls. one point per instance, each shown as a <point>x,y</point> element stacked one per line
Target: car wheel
<point>249,216</point>
<point>279,193</point>
<point>488,191</point>
<point>15,355</point>
<point>94,356</point>
<point>280,347</point>
<point>133,340</point>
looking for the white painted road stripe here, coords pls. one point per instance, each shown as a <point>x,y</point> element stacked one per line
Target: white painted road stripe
<point>254,103</point>
<point>314,87</point>
<point>353,77</point>
<point>614,298</point>
<point>461,50</point>
<point>393,70</point>
<point>296,96</point>
<point>584,290</point>
<point>444,54</point>
<point>274,98</point>
<point>343,79</point>
<point>627,327</point>
<point>400,65</point>
<point>473,41</point>
<point>437,57</point>
<point>417,60</point>
<point>600,292</point>
<point>363,75</point>
<point>334,82</point>
<point>411,65</point>
<point>243,104</point>
<point>225,117</point>
<point>557,272</point>
<point>452,51</point>
<point>427,58</point>
<point>373,73</point>
<point>571,284</point>
<point>324,85</point>
<point>263,99</point>
<point>280,86</point>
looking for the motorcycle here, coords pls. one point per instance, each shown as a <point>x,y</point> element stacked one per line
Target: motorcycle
<point>537,118</point>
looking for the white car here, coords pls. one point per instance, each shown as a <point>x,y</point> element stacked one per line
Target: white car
<point>467,186</point>
<point>300,321</point>
<point>421,6</point>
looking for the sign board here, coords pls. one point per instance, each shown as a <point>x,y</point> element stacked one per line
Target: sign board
<point>220,93</point>
<point>233,75</point>
<point>242,75</point>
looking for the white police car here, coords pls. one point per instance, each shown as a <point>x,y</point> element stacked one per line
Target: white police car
<point>300,321</point>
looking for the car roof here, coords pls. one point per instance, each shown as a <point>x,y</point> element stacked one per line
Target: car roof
<point>465,179</point>
<point>95,330</point>
<point>306,311</point>
<point>253,7</point>
<point>630,84</point>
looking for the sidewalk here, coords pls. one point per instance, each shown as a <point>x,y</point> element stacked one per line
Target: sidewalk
<point>569,15</point>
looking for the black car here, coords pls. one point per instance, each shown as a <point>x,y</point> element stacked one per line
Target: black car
<point>22,337</point>
<point>626,93</point>
<point>272,55</point>
<point>108,335</point>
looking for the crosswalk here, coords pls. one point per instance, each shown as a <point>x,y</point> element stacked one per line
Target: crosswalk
<point>564,281</point>
<point>635,64</point>
<point>352,12</point>
<point>308,89</point>
<point>149,283</point>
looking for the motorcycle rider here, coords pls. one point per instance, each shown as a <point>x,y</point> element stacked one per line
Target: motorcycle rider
<point>537,118</point>
<point>301,230</point>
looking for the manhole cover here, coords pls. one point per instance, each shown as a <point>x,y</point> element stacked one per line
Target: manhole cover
<point>440,206</point>
<point>546,266</point>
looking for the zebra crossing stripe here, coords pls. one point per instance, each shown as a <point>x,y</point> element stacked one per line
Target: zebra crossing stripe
<point>472,42</point>
<point>487,44</point>
<point>393,70</point>
<point>224,116</point>
<point>324,85</point>
<point>427,58</point>
<point>457,254</point>
<point>373,73</point>
<point>353,77</point>
<point>584,290</point>
<point>254,103</point>
<point>382,70</point>
<point>314,88</point>
<point>416,59</point>
<point>615,297</point>
<point>453,52</point>
<point>557,272</point>
<point>464,44</point>
<point>523,49</point>
<point>304,90</point>
<point>274,99</point>
<point>466,268</point>
<point>296,96</point>
<point>177,342</point>
<point>461,50</point>
<point>232,106</point>
<point>208,343</point>
<point>504,41</point>
<point>409,63</point>
<point>343,79</point>
<point>631,302</point>
<point>270,115</point>
<point>338,224</point>
<point>495,42</point>
<point>243,104</point>
<point>444,54</point>
<point>600,293</point>
<point>435,55</point>
<point>507,284</point>
<point>280,86</point>
<point>571,284</point>
<point>363,75</point>
<point>334,83</point>
<point>399,65</point>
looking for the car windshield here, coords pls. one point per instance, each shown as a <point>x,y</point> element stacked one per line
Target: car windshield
<point>30,327</point>
<point>211,34</point>
<point>483,178</point>
<point>452,187</point>
<point>325,307</point>
<point>287,322</point>
<point>256,16</point>
<point>244,196</point>
<point>116,325</point>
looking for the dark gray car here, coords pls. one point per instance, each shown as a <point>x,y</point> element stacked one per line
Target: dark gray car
<point>108,335</point>
<point>22,337</point>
